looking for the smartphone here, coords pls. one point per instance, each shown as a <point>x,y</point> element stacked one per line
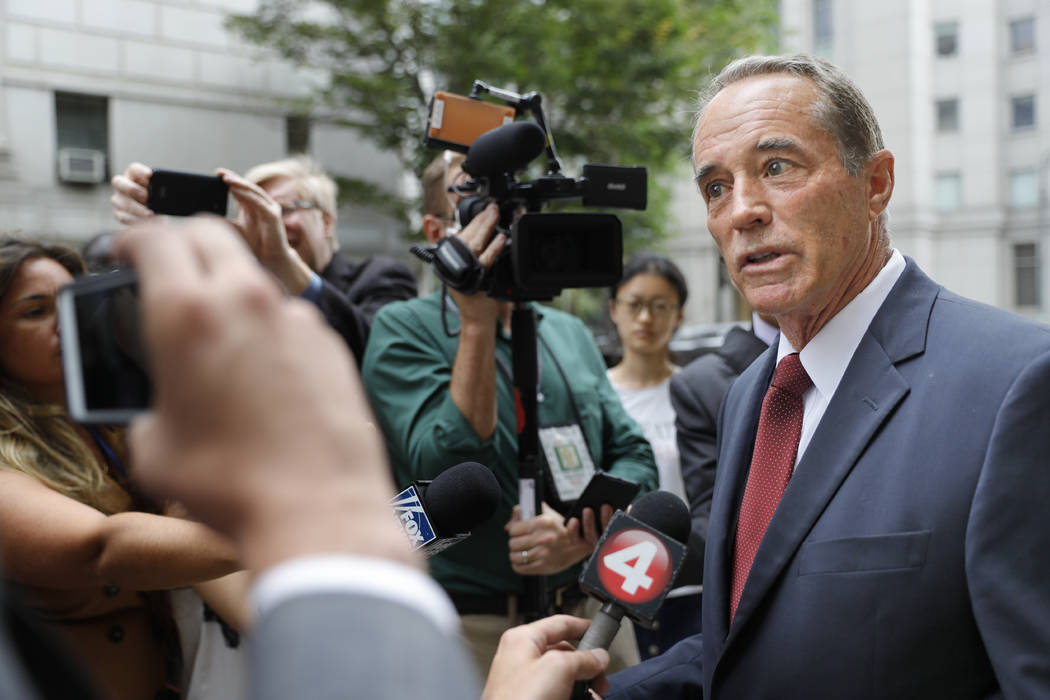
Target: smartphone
<point>178,193</point>
<point>456,121</point>
<point>103,357</point>
<point>601,489</point>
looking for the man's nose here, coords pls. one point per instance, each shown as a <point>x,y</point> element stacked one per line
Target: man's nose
<point>749,205</point>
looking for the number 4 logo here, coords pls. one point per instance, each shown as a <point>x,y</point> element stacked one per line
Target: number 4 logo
<point>642,555</point>
<point>634,566</point>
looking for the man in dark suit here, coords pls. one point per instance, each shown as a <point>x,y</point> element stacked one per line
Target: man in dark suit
<point>879,520</point>
<point>696,393</point>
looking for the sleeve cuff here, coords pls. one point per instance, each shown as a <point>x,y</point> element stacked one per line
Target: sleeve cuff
<point>313,288</point>
<point>349,574</point>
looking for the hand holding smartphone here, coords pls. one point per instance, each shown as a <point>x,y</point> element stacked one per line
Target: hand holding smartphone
<point>602,489</point>
<point>103,357</point>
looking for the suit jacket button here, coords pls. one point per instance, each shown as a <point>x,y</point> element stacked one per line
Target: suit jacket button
<point>110,590</point>
<point>115,634</point>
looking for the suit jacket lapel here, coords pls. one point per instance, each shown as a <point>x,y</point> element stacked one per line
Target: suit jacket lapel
<point>874,388</point>
<point>735,454</point>
<point>867,395</point>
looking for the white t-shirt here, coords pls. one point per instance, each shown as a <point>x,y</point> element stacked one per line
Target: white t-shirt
<point>651,409</point>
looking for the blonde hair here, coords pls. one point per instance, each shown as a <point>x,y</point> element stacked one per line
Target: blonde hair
<point>40,440</point>
<point>311,181</point>
<point>435,195</point>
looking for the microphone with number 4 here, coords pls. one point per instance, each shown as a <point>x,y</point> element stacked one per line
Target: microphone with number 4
<point>434,515</point>
<point>634,566</point>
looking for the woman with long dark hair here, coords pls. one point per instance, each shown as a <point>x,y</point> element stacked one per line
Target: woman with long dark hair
<point>87,552</point>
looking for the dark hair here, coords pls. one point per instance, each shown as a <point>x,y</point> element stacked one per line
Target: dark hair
<point>653,264</point>
<point>40,440</point>
<point>15,250</point>
<point>97,252</point>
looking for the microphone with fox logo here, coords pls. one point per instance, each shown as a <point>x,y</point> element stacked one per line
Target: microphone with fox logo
<point>434,515</point>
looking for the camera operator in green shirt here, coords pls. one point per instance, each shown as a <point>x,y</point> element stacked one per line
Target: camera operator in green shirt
<point>438,374</point>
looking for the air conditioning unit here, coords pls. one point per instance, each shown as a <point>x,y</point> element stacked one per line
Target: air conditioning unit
<point>84,165</point>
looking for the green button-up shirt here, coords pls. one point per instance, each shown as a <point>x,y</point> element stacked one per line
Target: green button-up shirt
<point>407,372</point>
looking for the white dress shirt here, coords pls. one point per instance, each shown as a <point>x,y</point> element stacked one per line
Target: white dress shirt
<point>765,332</point>
<point>826,357</point>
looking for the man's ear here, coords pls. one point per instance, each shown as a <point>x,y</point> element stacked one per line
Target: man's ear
<point>880,183</point>
<point>329,223</point>
<point>433,228</point>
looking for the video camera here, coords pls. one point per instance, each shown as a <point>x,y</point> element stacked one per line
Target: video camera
<point>545,253</point>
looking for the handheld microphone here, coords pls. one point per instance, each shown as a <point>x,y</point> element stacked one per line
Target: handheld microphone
<point>434,515</point>
<point>633,568</point>
<point>505,149</point>
<point>635,564</point>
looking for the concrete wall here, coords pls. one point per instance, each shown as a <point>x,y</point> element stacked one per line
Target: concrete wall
<point>183,93</point>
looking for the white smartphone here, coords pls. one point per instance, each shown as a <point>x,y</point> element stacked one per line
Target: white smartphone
<point>103,356</point>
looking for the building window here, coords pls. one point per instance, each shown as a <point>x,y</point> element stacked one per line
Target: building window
<point>948,115</point>
<point>82,137</point>
<point>1022,35</point>
<point>822,27</point>
<point>946,38</point>
<point>1024,188</point>
<point>1022,112</point>
<point>1026,275</point>
<point>947,191</point>
<point>297,133</point>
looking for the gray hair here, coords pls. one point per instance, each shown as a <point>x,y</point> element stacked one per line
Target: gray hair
<point>841,107</point>
<point>311,181</point>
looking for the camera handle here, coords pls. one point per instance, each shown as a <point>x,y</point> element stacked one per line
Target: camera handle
<point>524,357</point>
<point>531,102</point>
<point>454,264</point>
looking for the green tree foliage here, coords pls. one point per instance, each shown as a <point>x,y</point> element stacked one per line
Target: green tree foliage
<point>618,77</point>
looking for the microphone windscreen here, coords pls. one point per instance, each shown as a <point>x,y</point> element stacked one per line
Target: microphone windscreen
<point>664,511</point>
<point>461,498</point>
<point>505,149</point>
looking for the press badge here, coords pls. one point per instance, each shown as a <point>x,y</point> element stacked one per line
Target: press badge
<point>568,459</point>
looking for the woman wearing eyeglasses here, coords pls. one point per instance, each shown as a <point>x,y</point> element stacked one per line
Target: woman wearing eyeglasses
<point>646,307</point>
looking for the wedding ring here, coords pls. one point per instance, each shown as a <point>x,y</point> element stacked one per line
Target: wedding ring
<point>524,556</point>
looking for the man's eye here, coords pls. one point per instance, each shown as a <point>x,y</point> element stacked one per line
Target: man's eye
<point>775,167</point>
<point>714,190</point>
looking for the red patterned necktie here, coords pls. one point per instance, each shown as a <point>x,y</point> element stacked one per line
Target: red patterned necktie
<point>776,445</point>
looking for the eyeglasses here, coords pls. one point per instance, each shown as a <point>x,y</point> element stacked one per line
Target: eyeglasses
<point>658,308</point>
<point>297,205</point>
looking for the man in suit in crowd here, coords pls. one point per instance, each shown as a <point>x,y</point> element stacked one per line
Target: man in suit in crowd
<point>260,427</point>
<point>879,520</point>
<point>287,217</point>
<point>696,393</point>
